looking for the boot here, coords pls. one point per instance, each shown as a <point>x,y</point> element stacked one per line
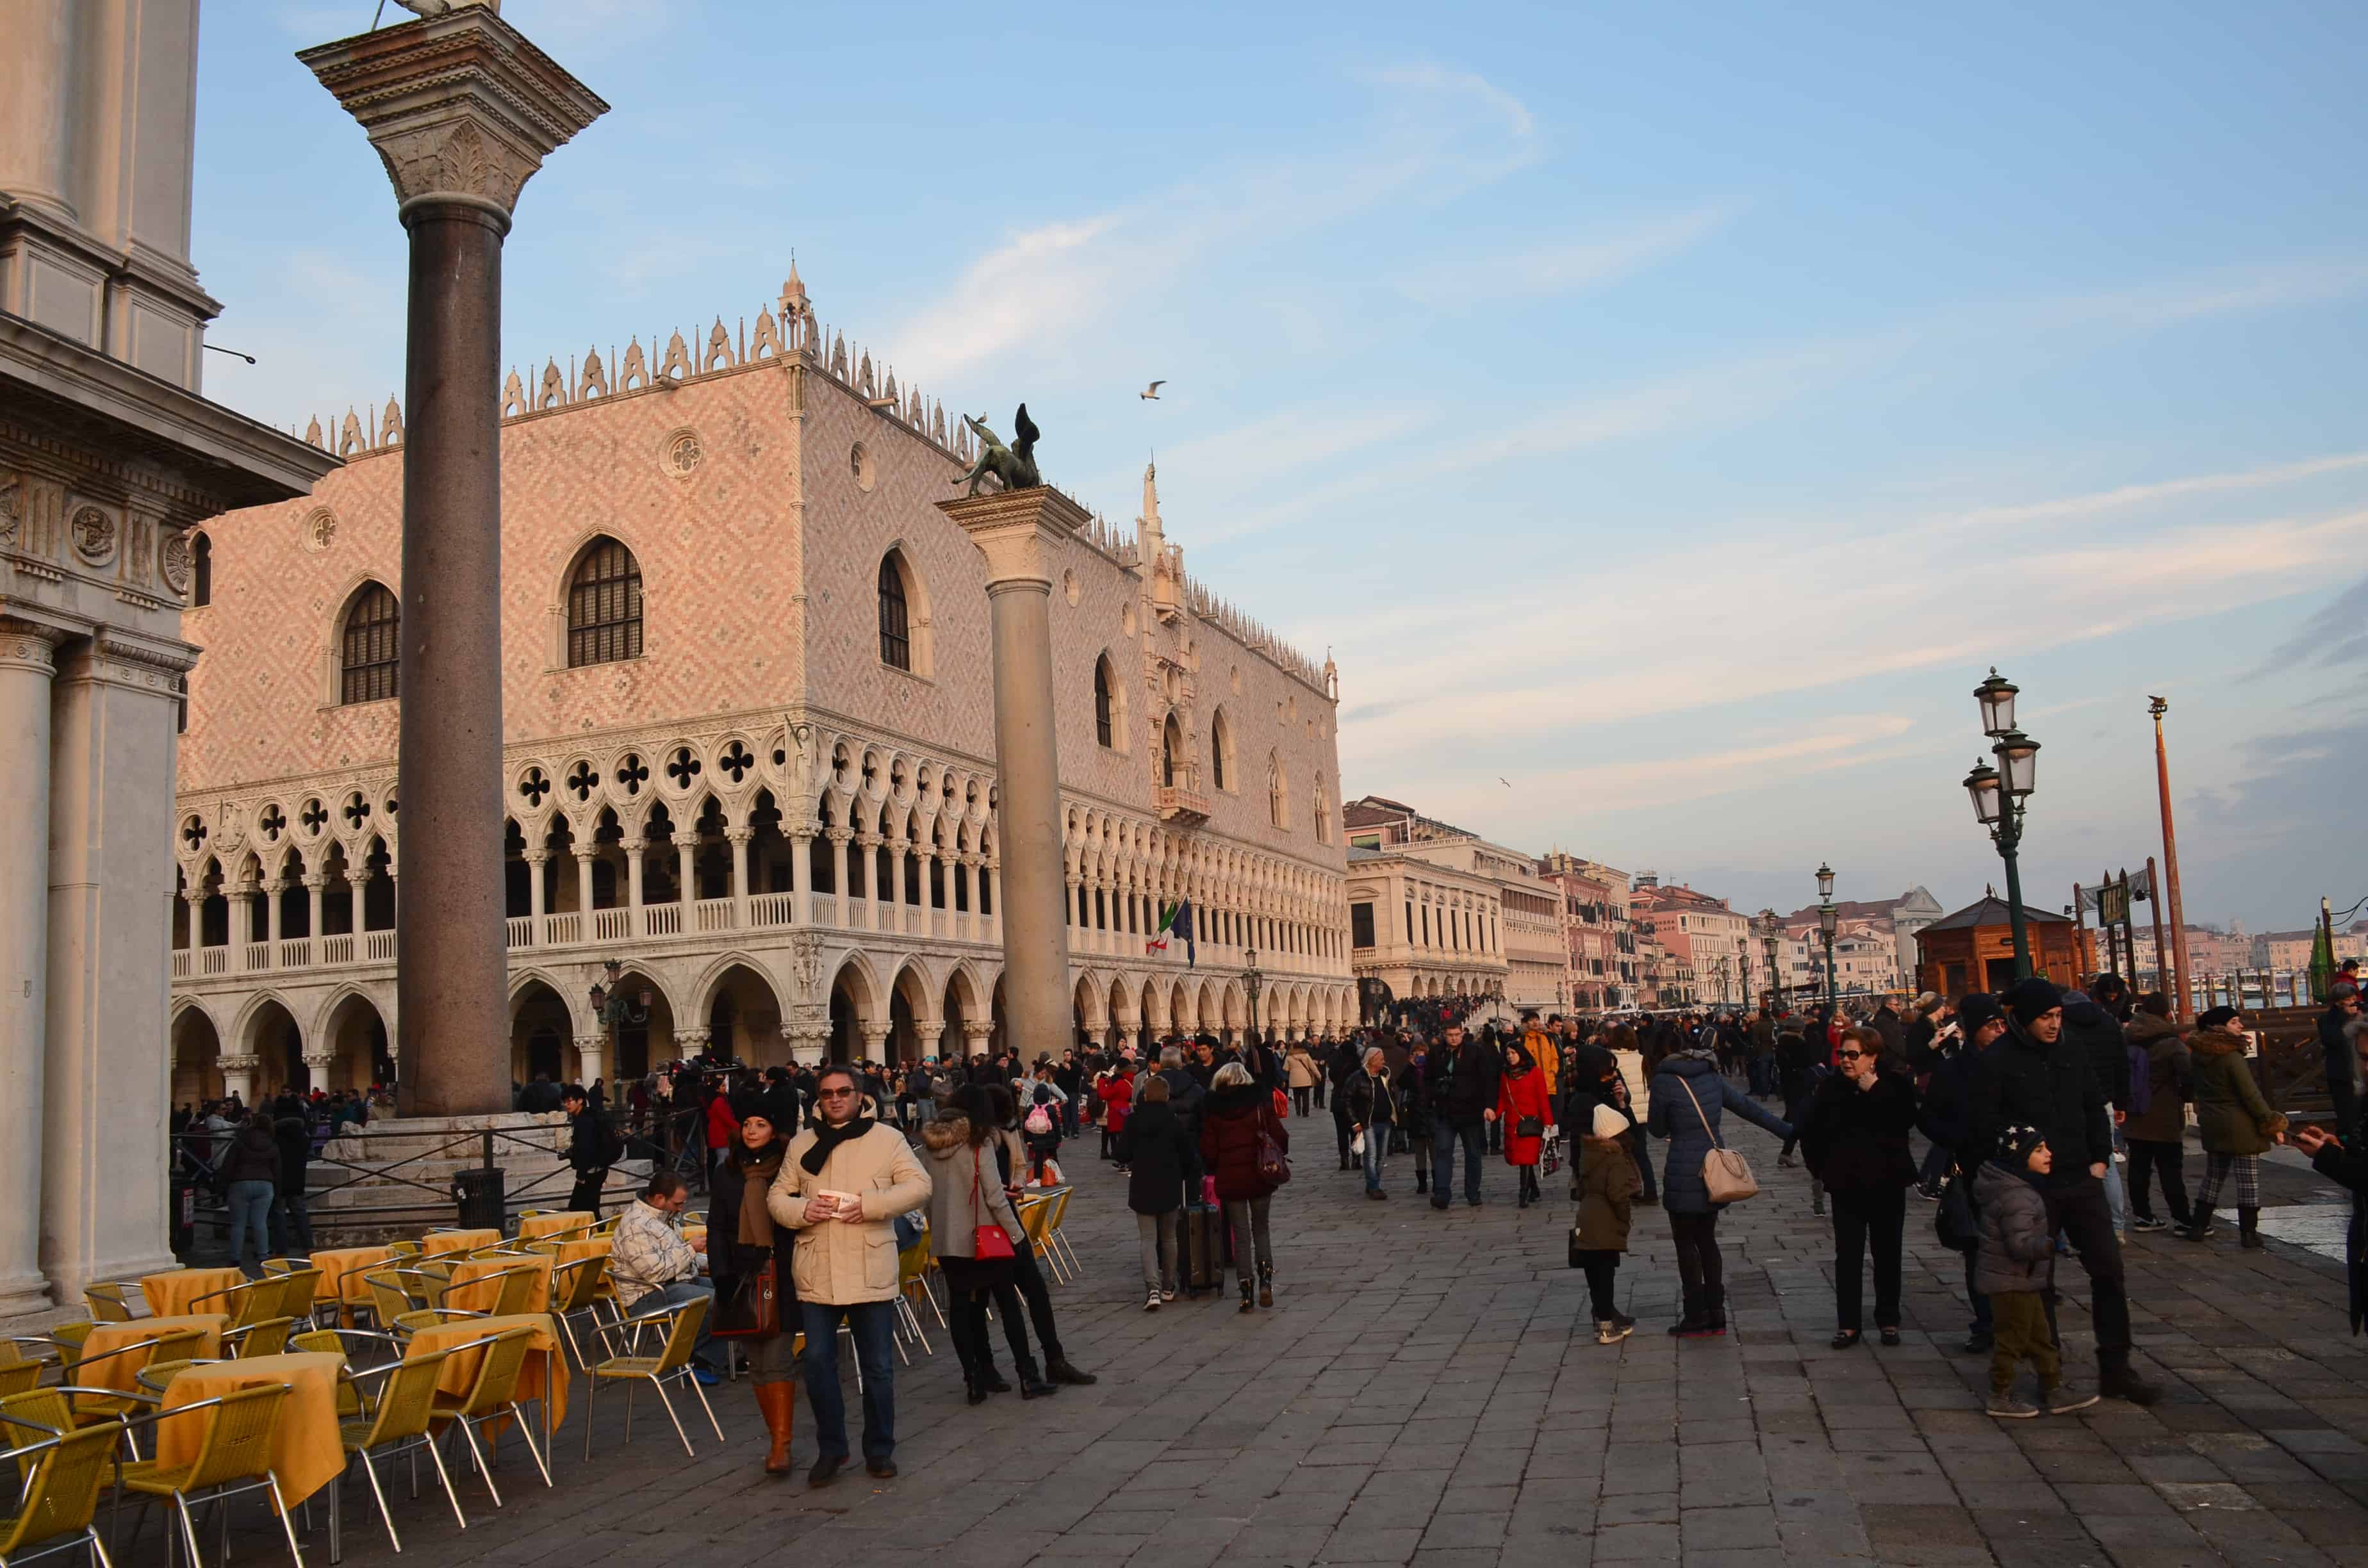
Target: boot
<point>2197,1228</point>
<point>1690,1317</point>
<point>2249,1228</point>
<point>988,1377</point>
<point>778,1403</point>
<point>1713,1310</point>
<point>1246,1303</point>
<point>1057,1367</point>
<point>1032,1384</point>
<point>2116,1379</point>
<point>1422,1181</point>
<point>1266,1284</point>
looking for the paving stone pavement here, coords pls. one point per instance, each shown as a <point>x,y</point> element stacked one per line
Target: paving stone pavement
<point>1427,1390</point>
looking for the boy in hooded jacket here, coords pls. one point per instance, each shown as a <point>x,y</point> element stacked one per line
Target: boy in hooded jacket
<point>1608,1185</point>
<point>2015,1266</point>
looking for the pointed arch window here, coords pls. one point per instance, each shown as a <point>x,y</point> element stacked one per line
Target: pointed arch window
<point>604,606</point>
<point>370,650</point>
<point>895,616</point>
<point>201,571</point>
<point>1102,701</point>
<point>1171,741</point>
<point>1220,744</point>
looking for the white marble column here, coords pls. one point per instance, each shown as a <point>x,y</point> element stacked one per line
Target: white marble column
<point>536,859</point>
<point>356,880</point>
<point>801,878</point>
<point>739,838</point>
<point>583,862</point>
<point>25,669</point>
<point>686,869</point>
<point>875,1042</point>
<point>238,1078</point>
<point>271,892</point>
<point>633,874</point>
<point>975,1032</point>
<point>313,883</point>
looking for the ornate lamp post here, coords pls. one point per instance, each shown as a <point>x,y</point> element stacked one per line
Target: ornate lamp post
<point>1255,982</point>
<point>610,1006</point>
<point>1828,918</point>
<point>1770,938</point>
<point>1998,794</point>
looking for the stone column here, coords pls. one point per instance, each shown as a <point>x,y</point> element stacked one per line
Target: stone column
<point>238,1077</point>
<point>1023,533</point>
<point>867,851</point>
<point>875,1042</point>
<point>271,892</point>
<point>809,1042</point>
<point>242,925</point>
<point>25,670</point>
<point>536,899</point>
<point>739,838</point>
<point>317,1063</point>
<point>685,869</point>
<point>899,887</point>
<point>462,110</point>
<point>689,1042</point>
<point>633,874</point>
<point>356,880</point>
<point>313,883</point>
<point>592,1060</point>
<point>842,862</point>
<point>584,860</point>
<point>800,878</point>
<point>975,1032</point>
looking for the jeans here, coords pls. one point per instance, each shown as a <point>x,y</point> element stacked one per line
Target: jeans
<point>873,1328</point>
<point>1247,1218</point>
<point>2116,1200</point>
<point>291,1224</point>
<point>250,1213</point>
<point>1157,1232</point>
<point>1341,1125</point>
<point>1938,1161</point>
<point>2078,1211</point>
<point>2146,1159</point>
<point>1863,1223</point>
<point>1377,1144</point>
<point>1299,1102</point>
<point>1443,1135</point>
<point>675,1295</point>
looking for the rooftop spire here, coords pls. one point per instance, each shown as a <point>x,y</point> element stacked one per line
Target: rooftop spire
<point>1150,519</point>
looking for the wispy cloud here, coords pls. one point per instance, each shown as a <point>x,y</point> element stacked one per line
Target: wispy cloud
<point>1567,263</point>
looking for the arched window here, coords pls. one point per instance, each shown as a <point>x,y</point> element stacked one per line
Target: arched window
<point>201,571</point>
<point>371,652</point>
<point>1277,803</point>
<point>1102,701</point>
<point>1323,804</point>
<point>895,620</point>
<point>1171,745</point>
<point>1221,745</point>
<point>604,606</point>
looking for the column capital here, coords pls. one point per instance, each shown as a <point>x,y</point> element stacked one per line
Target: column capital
<point>275,886</point>
<point>461,109</point>
<point>840,834</point>
<point>314,881</point>
<point>1021,532</point>
<point>739,834</point>
<point>29,646</point>
<point>535,857</point>
<point>684,840</point>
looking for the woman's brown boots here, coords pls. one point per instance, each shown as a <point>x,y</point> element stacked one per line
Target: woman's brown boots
<point>779,1401</point>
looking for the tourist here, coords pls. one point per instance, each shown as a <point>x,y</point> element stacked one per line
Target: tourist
<point>249,1175</point>
<point>1947,1119</point>
<point>1460,1075</point>
<point>1115,1089</point>
<point>1689,1100</point>
<point>1024,1280</point>
<point>2091,1029</point>
<point>1159,1155</point>
<point>1524,1104</point>
<point>1854,1135</point>
<point>2345,1162</point>
<point>742,1241</point>
<point>592,1148</point>
<point>721,1124</point>
<point>2237,1124</point>
<point>2030,1079</point>
<point>1299,1066</point>
<point>2016,1268</point>
<point>1043,1127</point>
<point>1608,1185</point>
<point>967,1198</point>
<point>1347,1060</point>
<point>846,1180</point>
<point>1240,1110</point>
<point>1372,1099</point>
<point>654,1267</point>
<point>1415,1115</point>
<point>2157,1129</point>
<point>292,1225</point>
<point>2344,1077</point>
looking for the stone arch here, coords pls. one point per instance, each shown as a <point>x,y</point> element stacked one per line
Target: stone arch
<point>542,1029</point>
<point>268,1030</point>
<point>740,1008</point>
<point>904,597</point>
<point>362,591</point>
<point>911,1013</point>
<point>634,1049</point>
<point>1125,1013</point>
<point>1110,706</point>
<point>610,636</point>
<point>197,1053</point>
<point>1089,1003</point>
<point>855,992</point>
<point>354,1033</point>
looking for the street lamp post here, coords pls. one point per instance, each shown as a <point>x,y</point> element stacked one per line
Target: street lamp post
<point>611,1008</point>
<point>1769,938</point>
<point>1829,917</point>
<point>1998,796</point>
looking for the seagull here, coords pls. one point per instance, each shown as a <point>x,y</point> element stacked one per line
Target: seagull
<point>1505,782</point>
<point>1152,391</point>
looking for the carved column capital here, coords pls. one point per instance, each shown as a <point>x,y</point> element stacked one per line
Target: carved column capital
<point>461,109</point>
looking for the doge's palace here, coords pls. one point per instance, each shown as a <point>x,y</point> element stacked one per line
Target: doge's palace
<point>749,740</point>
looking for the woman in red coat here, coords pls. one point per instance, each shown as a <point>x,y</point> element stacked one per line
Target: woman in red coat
<point>1235,1119</point>
<point>1522,1110</point>
<point>1115,1089</point>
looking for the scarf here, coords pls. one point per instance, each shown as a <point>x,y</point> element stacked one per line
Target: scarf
<point>757,1167</point>
<point>827,1138</point>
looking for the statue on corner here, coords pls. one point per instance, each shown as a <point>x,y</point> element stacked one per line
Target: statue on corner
<point>1014,465</point>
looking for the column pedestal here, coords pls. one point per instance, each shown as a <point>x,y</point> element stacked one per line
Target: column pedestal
<point>1023,533</point>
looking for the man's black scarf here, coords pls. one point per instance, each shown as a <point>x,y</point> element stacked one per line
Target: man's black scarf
<point>827,1138</point>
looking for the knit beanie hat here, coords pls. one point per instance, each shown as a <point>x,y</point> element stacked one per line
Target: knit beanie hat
<point>1608,1123</point>
<point>1976,1010</point>
<point>2032,997</point>
<point>2217,1017</point>
<point>2015,1145</point>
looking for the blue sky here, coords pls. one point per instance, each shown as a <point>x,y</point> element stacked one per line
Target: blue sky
<point>1672,411</point>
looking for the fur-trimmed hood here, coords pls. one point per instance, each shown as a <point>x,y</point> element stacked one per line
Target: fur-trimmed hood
<point>2216,1042</point>
<point>941,1137</point>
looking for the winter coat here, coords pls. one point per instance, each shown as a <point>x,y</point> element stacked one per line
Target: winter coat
<point>1301,1069</point>
<point>1116,1092</point>
<point>729,1260</point>
<point>2164,1121</point>
<point>294,1136</point>
<point>1160,1158</point>
<point>1856,1140</point>
<point>2019,1082</point>
<point>1229,1140</point>
<point>1796,1061</point>
<point>1371,1100</point>
<point>1608,1183</point>
<point>841,1262</point>
<point>722,1124</point>
<point>1916,1041</point>
<point>254,1156</point>
<point>1462,1083</point>
<point>2097,1036</point>
<point>1946,1116</point>
<point>1588,1072</point>
<point>1691,1133</point>
<point>588,1147</point>
<point>2229,1110</point>
<point>965,1189</point>
<point>1886,1024</point>
<point>2337,1030</point>
<point>2017,1248</point>
<point>2347,1168</point>
<point>1524,1093</point>
<point>1414,1100</point>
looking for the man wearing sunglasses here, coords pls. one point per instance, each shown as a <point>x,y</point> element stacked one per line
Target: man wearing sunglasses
<point>845,1181</point>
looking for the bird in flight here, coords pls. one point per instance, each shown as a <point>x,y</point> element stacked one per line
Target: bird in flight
<point>1505,782</point>
<point>1152,391</point>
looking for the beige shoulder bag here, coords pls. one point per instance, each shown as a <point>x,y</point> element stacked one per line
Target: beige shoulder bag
<point>1727,1173</point>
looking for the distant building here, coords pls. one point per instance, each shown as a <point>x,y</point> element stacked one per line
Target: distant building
<point>1706,937</point>
<point>1535,953</point>
<point>1423,929</point>
<point>1973,950</point>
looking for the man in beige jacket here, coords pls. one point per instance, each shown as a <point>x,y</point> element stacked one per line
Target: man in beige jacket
<point>842,1187</point>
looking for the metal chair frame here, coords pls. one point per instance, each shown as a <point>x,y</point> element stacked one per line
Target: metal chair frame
<point>220,1492</point>
<point>493,1396</point>
<point>671,1364</point>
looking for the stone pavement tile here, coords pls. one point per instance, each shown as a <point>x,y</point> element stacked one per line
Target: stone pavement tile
<point>1478,1499</point>
<point>1385,1512</point>
<point>1705,1530</point>
<point>2093,1501</point>
<point>1457,1557</point>
<point>1466,1529</point>
<point>2010,1530</point>
<point>1355,1545</point>
<point>1638,1508</point>
<point>1636,1543</point>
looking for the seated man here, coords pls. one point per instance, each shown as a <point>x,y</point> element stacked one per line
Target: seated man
<point>653,1267</point>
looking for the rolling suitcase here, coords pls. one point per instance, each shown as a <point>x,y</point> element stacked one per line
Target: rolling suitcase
<point>1202,1269</point>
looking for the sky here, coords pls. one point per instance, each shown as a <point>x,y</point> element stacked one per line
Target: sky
<point>1664,415</point>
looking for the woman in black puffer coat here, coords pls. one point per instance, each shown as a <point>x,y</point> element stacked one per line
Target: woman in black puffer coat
<point>1854,1136</point>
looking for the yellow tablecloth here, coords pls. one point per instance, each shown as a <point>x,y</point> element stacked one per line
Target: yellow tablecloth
<point>305,1452</point>
<point>342,1276</point>
<point>544,1373</point>
<point>170,1293</point>
<point>118,1372</point>
<point>587,1246</point>
<point>470,1296</point>
<point>436,1244</point>
<point>539,1225</point>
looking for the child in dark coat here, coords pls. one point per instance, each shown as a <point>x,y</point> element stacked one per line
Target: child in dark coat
<point>2014,1268</point>
<point>1608,1183</point>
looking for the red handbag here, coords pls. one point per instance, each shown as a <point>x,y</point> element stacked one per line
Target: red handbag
<point>988,1243</point>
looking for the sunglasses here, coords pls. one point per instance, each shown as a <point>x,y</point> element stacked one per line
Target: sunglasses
<point>836,1094</point>
<point>1851,1055</point>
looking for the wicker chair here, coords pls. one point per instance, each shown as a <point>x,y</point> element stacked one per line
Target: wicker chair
<point>62,1472</point>
<point>397,1423</point>
<point>671,1364</point>
<point>233,1457</point>
<point>494,1395</point>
